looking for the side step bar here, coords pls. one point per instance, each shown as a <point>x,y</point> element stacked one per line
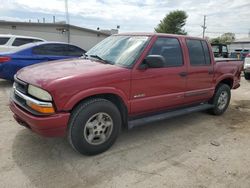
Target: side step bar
<point>149,119</point>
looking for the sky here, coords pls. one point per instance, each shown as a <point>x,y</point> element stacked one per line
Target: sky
<point>135,16</point>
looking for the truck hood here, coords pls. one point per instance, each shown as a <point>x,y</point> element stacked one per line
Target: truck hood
<point>45,74</point>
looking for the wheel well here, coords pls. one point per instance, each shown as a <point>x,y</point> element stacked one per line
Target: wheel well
<point>227,81</point>
<point>116,100</point>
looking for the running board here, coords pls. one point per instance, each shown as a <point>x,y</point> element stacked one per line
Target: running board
<point>149,119</point>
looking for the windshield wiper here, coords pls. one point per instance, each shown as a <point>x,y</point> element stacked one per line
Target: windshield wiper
<point>99,58</point>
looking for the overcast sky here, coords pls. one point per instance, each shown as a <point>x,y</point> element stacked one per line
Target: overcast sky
<point>138,15</point>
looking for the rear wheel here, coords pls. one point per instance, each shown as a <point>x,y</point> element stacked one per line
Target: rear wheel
<point>94,126</point>
<point>221,99</point>
<point>247,76</point>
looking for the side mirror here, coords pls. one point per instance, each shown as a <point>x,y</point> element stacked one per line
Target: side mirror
<point>155,61</point>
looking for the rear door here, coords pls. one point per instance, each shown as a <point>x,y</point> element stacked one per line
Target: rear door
<point>200,71</point>
<point>160,88</point>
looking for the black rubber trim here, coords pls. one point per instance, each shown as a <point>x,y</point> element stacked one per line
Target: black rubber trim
<point>167,115</point>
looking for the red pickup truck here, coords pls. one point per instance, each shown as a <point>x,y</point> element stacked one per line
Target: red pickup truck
<point>125,80</point>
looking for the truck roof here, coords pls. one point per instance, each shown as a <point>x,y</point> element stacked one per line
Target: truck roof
<point>157,34</point>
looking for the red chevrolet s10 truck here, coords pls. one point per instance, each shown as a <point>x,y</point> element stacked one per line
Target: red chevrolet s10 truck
<point>125,80</point>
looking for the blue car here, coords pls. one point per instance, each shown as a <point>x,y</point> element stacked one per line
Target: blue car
<point>30,54</point>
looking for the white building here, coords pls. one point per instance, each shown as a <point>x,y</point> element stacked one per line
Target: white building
<point>82,37</point>
<point>243,44</point>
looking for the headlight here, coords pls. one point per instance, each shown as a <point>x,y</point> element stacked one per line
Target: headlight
<point>39,93</point>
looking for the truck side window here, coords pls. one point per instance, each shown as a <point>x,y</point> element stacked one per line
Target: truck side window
<point>170,49</point>
<point>224,49</point>
<point>198,52</point>
<point>206,52</point>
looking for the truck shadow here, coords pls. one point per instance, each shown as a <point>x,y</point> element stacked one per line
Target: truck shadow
<point>5,83</point>
<point>52,162</point>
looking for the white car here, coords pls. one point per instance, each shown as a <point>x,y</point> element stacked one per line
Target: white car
<point>247,67</point>
<point>10,42</point>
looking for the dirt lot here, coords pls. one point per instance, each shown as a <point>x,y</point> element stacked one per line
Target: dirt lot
<point>173,153</point>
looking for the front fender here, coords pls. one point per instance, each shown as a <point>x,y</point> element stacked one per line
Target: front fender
<point>95,91</point>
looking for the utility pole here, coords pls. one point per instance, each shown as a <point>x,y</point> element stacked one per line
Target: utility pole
<point>67,19</point>
<point>204,27</point>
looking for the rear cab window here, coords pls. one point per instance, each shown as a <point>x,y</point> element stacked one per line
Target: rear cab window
<point>199,54</point>
<point>4,40</point>
<point>170,49</point>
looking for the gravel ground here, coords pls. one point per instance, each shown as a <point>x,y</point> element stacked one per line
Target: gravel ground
<point>195,150</point>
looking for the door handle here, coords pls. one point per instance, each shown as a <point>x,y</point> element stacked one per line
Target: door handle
<point>183,74</point>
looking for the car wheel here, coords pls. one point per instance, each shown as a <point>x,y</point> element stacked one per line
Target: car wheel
<point>221,99</point>
<point>94,126</point>
<point>247,76</point>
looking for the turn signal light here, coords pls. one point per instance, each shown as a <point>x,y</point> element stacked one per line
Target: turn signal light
<point>41,109</point>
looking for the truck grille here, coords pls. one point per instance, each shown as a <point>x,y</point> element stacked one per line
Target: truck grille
<point>21,86</point>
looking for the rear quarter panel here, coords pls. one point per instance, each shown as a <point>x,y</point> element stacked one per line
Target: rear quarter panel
<point>228,70</point>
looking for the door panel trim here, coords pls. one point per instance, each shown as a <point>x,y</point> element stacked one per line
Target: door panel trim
<point>193,93</point>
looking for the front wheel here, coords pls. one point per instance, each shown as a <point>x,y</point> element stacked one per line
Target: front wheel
<point>247,76</point>
<point>221,99</point>
<point>94,126</point>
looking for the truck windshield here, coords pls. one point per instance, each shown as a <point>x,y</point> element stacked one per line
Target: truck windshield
<point>119,50</point>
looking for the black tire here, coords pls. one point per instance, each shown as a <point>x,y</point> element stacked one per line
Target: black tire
<point>78,121</point>
<point>218,108</point>
<point>247,76</point>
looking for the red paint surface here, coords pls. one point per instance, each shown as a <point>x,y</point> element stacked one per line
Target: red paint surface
<point>71,81</point>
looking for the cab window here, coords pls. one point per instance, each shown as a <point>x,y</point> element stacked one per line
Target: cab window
<point>198,52</point>
<point>170,49</point>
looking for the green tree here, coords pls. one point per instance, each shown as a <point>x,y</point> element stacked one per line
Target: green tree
<point>215,40</point>
<point>173,23</point>
<point>225,38</point>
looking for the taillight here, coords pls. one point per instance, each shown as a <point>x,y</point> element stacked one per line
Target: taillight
<point>4,59</point>
<point>248,55</point>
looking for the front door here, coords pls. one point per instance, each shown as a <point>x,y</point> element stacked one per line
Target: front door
<point>155,89</point>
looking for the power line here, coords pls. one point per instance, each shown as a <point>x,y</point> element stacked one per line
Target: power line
<point>217,32</point>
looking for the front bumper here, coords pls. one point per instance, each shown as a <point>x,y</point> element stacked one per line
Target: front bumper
<point>247,70</point>
<point>49,126</point>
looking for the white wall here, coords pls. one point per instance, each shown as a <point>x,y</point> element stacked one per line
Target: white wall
<point>81,38</point>
<point>235,46</point>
